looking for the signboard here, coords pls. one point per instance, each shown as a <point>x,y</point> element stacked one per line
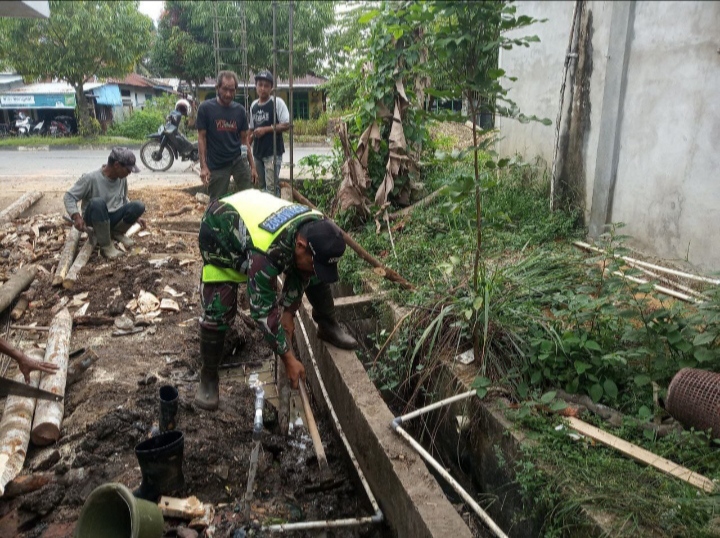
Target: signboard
<point>17,100</point>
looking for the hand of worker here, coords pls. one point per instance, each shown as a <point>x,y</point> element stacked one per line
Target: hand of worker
<point>294,370</point>
<point>255,177</point>
<point>205,175</point>
<point>78,222</point>
<point>142,223</point>
<point>27,364</point>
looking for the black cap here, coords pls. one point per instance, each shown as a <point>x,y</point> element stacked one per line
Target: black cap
<point>125,157</point>
<point>327,245</point>
<point>265,75</point>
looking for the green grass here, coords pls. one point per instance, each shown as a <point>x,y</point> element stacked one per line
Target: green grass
<point>549,312</point>
<point>39,141</point>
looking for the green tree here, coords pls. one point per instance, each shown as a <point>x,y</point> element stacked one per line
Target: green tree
<point>185,45</point>
<point>79,40</point>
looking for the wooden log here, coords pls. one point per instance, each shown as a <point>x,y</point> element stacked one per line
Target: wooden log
<point>93,321</point>
<point>17,283</point>
<point>420,203</point>
<point>364,254</point>
<point>175,508</point>
<point>19,309</point>
<point>82,258</point>
<point>27,484</point>
<point>183,209</point>
<point>643,456</point>
<point>135,228</point>
<point>67,257</point>
<point>15,432</point>
<point>49,415</point>
<point>18,206</point>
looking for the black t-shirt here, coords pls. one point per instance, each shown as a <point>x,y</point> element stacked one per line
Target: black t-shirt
<point>262,116</point>
<point>223,126</point>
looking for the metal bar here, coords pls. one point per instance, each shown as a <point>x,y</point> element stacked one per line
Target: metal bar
<point>292,111</point>
<point>274,93</point>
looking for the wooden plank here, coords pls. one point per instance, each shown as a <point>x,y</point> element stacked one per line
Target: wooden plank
<point>643,456</point>
<point>82,258</point>
<point>189,508</point>
<point>16,284</point>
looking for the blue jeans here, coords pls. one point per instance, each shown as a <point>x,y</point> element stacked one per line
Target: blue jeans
<point>97,211</point>
<point>268,180</point>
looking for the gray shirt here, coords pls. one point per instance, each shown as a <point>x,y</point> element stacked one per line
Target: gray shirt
<point>96,185</point>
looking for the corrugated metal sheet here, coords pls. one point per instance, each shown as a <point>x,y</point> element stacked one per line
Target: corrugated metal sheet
<point>108,95</point>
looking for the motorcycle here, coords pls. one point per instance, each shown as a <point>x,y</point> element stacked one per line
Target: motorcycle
<point>40,129</point>
<point>159,153</point>
<point>60,127</point>
<point>23,125</point>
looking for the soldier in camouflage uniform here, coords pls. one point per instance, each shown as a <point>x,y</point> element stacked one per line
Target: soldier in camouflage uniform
<point>255,237</point>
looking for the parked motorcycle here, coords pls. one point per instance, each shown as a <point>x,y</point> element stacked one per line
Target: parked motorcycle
<point>159,153</point>
<point>40,128</point>
<point>60,126</point>
<point>22,126</point>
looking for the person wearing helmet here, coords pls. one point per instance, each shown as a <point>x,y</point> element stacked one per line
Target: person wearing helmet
<point>222,132</point>
<point>183,106</point>
<point>265,111</point>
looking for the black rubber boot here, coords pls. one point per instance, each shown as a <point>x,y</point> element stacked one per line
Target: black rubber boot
<point>323,313</point>
<point>168,408</point>
<point>160,460</point>
<point>211,349</point>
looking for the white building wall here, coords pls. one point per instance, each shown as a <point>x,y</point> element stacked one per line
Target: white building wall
<point>666,187</point>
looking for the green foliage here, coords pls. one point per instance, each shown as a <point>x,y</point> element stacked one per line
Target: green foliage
<point>389,373</point>
<point>90,127</point>
<point>557,475</point>
<point>145,121</point>
<point>185,44</point>
<point>317,126</point>
<point>79,40</point>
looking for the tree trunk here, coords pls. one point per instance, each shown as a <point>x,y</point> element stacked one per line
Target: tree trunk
<point>67,257</point>
<point>82,258</point>
<point>83,118</point>
<point>17,283</point>
<point>15,432</point>
<point>49,415</point>
<point>18,206</point>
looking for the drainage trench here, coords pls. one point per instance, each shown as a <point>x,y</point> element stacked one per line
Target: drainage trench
<point>468,438</point>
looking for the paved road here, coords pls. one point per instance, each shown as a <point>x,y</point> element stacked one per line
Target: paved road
<point>58,170</point>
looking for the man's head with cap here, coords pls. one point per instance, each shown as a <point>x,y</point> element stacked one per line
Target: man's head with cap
<point>318,249</point>
<point>121,162</point>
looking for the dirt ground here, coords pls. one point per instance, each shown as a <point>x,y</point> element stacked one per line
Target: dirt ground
<point>115,404</point>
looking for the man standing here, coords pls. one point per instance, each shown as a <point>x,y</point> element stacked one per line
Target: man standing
<point>254,237</point>
<point>105,206</point>
<point>263,113</point>
<point>222,131</point>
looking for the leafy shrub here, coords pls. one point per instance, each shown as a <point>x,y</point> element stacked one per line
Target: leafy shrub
<point>146,121</point>
<point>89,127</point>
<point>316,127</point>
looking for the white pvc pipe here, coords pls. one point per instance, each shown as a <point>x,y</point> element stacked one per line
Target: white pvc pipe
<point>436,405</point>
<point>347,522</point>
<point>668,281</point>
<point>660,268</point>
<point>657,287</point>
<point>456,486</point>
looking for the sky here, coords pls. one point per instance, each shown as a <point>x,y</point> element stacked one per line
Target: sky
<point>152,9</point>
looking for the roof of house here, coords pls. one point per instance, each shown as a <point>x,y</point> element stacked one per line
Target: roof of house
<point>44,88</point>
<point>306,81</point>
<point>133,79</point>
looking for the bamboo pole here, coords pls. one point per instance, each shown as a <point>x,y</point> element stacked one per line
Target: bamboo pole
<point>586,246</point>
<point>49,415</point>
<point>15,432</point>
<point>67,257</point>
<point>82,258</point>
<point>420,203</point>
<point>364,254</point>
<point>18,206</point>
<point>17,283</point>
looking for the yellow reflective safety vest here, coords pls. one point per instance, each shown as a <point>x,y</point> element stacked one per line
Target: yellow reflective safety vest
<point>265,217</point>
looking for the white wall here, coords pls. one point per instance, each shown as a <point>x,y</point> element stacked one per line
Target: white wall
<point>667,181</point>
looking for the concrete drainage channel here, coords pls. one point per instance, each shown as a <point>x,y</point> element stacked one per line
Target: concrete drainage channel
<point>417,500</point>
